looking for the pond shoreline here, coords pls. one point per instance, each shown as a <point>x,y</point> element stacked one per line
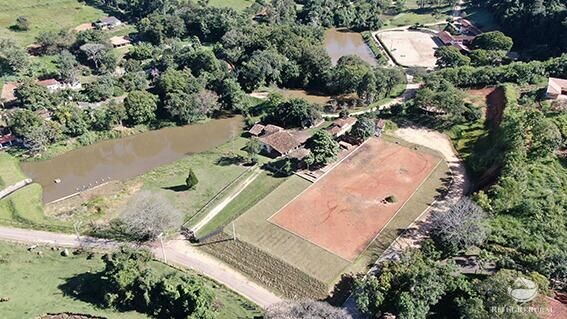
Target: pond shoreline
<point>123,158</point>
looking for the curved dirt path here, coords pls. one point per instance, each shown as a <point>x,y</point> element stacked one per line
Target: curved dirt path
<point>220,206</point>
<point>178,252</point>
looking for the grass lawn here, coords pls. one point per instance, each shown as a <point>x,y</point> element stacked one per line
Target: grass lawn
<point>414,14</point>
<point>238,5</point>
<point>44,15</point>
<point>255,192</point>
<point>254,228</point>
<point>212,172</point>
<point>32,282</point>
<point>24,207</point>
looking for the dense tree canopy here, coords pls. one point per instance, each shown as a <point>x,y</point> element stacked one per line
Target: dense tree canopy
<point>539,28</point>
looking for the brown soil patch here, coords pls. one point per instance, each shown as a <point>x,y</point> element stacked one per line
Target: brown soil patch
<point>493,99</point>
<point>345,210</point>
<point>496,101</point>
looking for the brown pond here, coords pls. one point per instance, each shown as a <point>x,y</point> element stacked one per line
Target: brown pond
<point>127,157</point>
<point>340,42</point>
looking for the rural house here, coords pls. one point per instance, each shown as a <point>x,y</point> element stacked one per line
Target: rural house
<point>108,23</point>
<point>279,143</point>
<point>6,138</point>
<point>119,42</point>
<point>557,89</point>
<point>341,126</point>
<point>380,125</point>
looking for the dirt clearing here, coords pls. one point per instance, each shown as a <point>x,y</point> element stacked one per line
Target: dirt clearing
<point>345,210</point>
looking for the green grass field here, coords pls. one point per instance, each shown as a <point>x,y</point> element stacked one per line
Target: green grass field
<point>238,5</point>
<point>44,15</point>
<point>32,284</point>
<point>213,177</point>
<point>24,207</point>
<point>264,184</point>
<point>414,14</point>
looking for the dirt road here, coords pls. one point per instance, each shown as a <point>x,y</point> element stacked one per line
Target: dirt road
<point>220,206</point>
<point>178,252</point>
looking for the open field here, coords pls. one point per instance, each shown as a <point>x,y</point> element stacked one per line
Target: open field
<point>345,210</point>
<point>264,184</point>
<point>289,264</point>
<point>51,15</point>
<point>238,5</point>
<point>34,285</point>
<point>213,168</point>
<point>410,48</point>
<point>414,14</point>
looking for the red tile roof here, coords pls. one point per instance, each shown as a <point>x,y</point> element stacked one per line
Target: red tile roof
<point>7,138</point>
<point>445,37</point>
<point>281,141</point>
<point>48,82</point>
<point>269,129</point>
<point>257,129</point>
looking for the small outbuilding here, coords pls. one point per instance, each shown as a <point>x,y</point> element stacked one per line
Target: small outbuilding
<point>256,130</point>
<point>119,42</point>
<point>107,23</point>
<point>8,91</point>
<point>341,126</point>
<point>6,139</point>
<point>557,89</point>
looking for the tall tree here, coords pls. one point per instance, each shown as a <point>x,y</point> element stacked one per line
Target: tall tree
<point>323,148</point>
<point>140,107</point>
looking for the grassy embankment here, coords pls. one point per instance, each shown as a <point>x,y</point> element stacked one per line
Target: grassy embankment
<point>480,150</point>
<point>24,207</point>
<point>35,285</point>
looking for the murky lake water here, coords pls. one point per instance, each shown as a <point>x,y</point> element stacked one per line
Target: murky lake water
<point>127,157</point>
<point>340,42</point>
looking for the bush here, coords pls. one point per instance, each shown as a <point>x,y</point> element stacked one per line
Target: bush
<point>391,199</point>
<point>191,181</point>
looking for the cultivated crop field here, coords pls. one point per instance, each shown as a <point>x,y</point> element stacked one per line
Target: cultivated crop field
<point>410,48</point>
<point>346,209</point>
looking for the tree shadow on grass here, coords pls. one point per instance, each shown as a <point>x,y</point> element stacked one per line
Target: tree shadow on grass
<point>227,160</point>
<point>177,188</point>
<point>86,287</point>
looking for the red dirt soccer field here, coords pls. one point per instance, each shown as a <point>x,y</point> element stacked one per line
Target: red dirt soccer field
<point>345,210</point>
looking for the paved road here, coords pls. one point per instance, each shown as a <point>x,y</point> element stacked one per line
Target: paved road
<point>178,252</point>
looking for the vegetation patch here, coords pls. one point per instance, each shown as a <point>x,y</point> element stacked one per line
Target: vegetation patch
<point>270,271</point>
<point>28,281</point>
